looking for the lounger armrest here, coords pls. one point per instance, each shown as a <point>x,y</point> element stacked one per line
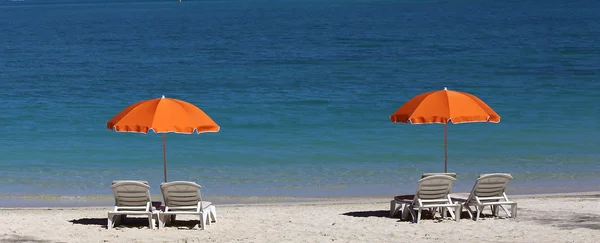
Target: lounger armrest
<point>427,203</point>
<point>498,203</point>
<point>433,200</point>
<point>131,212</point>
<point>174,208</point>
<point>439,205</point>
<point>490,198</point>
<point>117,208</point>
<point>483,199</point>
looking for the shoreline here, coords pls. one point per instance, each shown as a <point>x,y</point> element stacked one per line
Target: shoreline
<point>106,201</point>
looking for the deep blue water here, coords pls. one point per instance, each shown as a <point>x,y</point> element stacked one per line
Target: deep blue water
<point>302,90</point>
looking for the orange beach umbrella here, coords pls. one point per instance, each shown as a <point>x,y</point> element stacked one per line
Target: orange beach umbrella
<point>162,115</point>
<point>445,106</point>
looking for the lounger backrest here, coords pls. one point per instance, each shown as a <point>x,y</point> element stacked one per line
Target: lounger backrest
<point>490,185</point>
<point>434,187</point>
<point>181,193</point>
<point>451,174</point>
<point>117,181</point>
<point>131,193</point>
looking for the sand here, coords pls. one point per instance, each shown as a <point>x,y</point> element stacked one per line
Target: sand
<point>541,218</point>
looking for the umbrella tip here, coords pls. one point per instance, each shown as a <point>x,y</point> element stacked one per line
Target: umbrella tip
<point>163,97</point>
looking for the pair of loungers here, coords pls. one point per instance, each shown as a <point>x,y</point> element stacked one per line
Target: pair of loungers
<point>433,192</point>
<point>180,197</point>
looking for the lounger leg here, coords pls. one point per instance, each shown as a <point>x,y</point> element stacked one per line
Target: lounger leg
<point>397,208</point>
<point>403,211</point>
<point>513,210</point>
<point>206,215</point>
<point>110,225</point>
<point>458,212</point>
<point>150,221</point>
<point>117,220</point>
<point>213,214</point>
<point>412,213</point>
<point>452,214</point>
<point>202,223</point>
<point>470,211</point>
<point>506,210</point>
<point>479,210</point>
<point>419,215</point>
<point>162,218</point>
<point>155,220</point>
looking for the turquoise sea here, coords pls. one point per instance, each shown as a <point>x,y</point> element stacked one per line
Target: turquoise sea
<point>302,90</point>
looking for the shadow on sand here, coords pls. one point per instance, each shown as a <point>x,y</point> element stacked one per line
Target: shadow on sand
<point>91,221</point>
<point>128,223</point>
<point>364,214</point>
<point>570,221</point>
<point>18,238</point>
<point>134,222</point>
<point>386,214</point>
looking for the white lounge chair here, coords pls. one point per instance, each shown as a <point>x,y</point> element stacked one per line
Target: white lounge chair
<point>432,193</point>
<point>488,191</point>
<point>396,205</point>
<point>183,197</point>
<point>131,198</point>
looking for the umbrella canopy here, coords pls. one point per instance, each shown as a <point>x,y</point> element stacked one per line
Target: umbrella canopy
<point>162,115</point>
<point>445,106</point>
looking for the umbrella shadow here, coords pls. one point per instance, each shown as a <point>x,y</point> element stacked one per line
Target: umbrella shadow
<point>570,221</point>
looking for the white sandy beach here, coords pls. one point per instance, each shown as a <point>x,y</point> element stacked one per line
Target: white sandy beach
<point>541,218</point>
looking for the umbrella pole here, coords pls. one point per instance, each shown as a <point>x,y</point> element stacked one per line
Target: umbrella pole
<point>164,138</point>
<point>445,151</point>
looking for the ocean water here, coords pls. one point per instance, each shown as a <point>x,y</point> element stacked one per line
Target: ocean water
<point>302,90</point>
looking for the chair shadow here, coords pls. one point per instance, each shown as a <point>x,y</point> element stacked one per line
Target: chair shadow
<point>364,214</point>
<point>90,221</point>
<point>426,215</point>
<point>183,224</point>
<point>128,223</point>
<point>136,223</point>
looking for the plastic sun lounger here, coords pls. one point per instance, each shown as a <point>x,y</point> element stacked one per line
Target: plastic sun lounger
<point>489,190</point>
<point>131,198</point>
<point>398,201</point>
<point>184,198</point>
<point>432,193</point>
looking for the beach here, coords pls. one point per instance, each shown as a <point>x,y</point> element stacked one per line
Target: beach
<point>571,217</point>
